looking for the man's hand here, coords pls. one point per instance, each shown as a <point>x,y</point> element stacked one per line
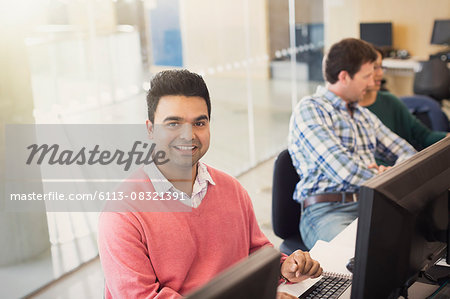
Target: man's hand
<point>299,266</point>
<point>380,168</point>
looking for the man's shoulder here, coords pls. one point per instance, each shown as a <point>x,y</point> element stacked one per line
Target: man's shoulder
<point>315,99</point>
<point>315,102</point>
<point>225,182</point>
<point>116,221</point>
<point>220,176</point>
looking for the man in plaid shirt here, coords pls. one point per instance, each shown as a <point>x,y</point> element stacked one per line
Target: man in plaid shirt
<point>333,142</point>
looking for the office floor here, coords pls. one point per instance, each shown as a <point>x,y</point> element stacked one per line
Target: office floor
<point>87,281</point>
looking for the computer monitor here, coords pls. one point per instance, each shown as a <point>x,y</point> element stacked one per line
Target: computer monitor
<point>255,277</point>
<point>403,223</point>
<point>441,32</point>
<point>378,34</point>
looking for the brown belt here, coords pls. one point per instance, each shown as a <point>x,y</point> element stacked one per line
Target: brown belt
<point>329,197</point>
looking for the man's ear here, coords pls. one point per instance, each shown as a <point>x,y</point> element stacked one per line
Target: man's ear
<point>150,127</point>
<point>343,77</point>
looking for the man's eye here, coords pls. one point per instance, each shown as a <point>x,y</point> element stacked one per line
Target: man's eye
<point>172,125</point>
<point>200,124</point>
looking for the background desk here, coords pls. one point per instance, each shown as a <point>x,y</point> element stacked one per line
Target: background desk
<point>399,75</point>
<point>409,64</point>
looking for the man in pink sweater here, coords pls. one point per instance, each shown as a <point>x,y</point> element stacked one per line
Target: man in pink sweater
<point>166,254</point>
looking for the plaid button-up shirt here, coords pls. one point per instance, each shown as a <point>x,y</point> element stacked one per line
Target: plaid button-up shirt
<point>331,150</point>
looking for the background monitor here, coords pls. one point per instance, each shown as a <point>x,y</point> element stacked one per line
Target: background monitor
<point>254,277</point>
<point>441,32</point>
<point>403,223</point>
<point>379,34</point>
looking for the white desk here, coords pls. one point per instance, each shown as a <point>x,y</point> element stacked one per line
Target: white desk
<point>333,257</point>
<point>398,70</point>
<point>411,64</point>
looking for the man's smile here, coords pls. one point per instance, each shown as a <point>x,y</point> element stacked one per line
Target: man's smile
<point>185,147</point>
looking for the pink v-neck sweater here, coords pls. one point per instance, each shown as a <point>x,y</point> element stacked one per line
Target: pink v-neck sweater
<point>166,255</point>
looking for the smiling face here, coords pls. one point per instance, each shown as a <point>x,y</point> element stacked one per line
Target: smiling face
<point>377,73</point>
<point>357,86</point>
<point>181,130</point>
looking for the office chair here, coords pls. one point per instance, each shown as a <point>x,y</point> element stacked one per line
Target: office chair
<point>428,111</point>
<point>285,211</point>
<point>433,79</point>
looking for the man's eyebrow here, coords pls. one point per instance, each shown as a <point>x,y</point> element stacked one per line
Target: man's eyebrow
<point>178,118</point>
<point>172,118</point>
<point>202,117</point>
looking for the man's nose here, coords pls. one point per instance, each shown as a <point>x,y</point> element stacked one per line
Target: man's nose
<point>186,132</point>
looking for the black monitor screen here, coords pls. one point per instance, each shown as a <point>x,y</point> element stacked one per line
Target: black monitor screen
<point>403,223</point>
<point>379,34</point>
<point>254,277</point>
<point>441,32</point>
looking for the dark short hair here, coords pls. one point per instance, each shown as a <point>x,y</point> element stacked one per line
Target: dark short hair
<point>347,55</point>
<point>176,82</point>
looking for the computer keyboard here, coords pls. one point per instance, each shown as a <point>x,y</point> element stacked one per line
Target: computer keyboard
<point>329,286</point>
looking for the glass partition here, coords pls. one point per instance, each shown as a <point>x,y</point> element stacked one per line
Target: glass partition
<point>90,62</point>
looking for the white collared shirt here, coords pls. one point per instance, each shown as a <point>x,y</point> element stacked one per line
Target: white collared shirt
<point>162,185</point>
